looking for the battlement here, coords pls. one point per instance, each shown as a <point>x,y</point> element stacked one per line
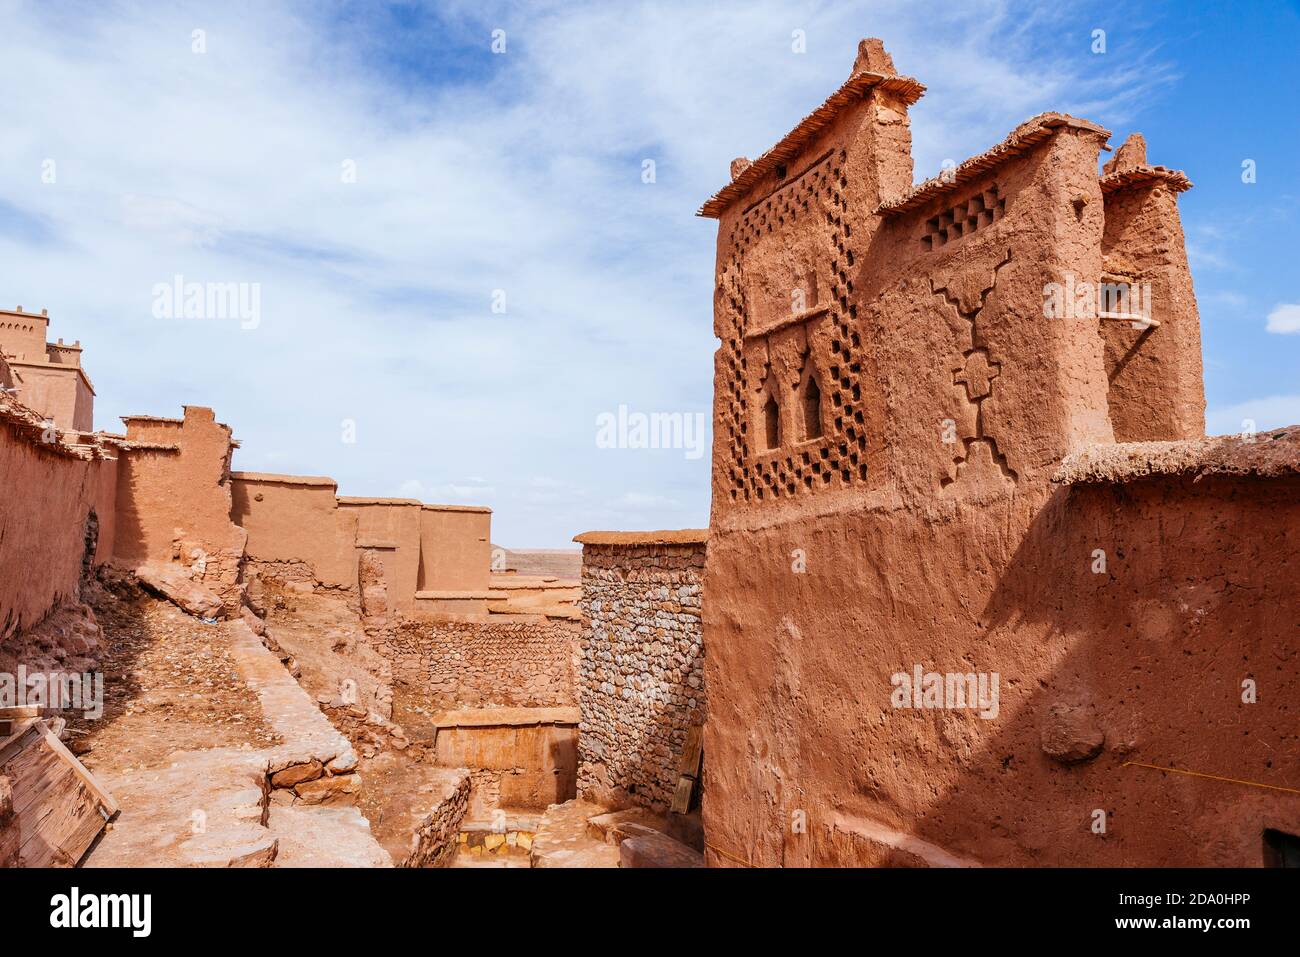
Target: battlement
<point>48,377</point>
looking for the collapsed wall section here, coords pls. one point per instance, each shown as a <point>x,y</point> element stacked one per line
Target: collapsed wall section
<point>641,686</point>
<point>174,500</point>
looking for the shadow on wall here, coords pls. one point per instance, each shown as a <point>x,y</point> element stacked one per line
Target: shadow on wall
<point>1129,630</point>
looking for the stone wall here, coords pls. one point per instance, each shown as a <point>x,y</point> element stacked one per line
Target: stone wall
<point>436,836</point>
<point>525,661</point>
<point>642,679</point>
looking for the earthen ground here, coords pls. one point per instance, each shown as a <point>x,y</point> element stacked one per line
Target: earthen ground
<point>170,685</point>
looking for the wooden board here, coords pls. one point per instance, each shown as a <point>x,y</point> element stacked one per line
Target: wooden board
<point>58,806</point>
<point>11,719</point>
<point>692,751</point>
<point>689,765</point>
<point>682,796</point>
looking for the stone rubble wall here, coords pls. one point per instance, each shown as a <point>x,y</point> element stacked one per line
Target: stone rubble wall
<point>436,839</point>
<point>642,672</point>
<point>526,661</point>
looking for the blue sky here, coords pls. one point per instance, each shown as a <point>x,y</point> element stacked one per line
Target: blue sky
<point>522,172</point>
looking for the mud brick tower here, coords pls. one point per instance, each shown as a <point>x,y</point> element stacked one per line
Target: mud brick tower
<point>934,406</point>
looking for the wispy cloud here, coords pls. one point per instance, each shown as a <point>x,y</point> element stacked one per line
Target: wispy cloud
<point>1257,414</point>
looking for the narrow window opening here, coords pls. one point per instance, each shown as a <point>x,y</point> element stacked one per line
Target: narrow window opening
<point>772,419</point>
<point>812,410</point>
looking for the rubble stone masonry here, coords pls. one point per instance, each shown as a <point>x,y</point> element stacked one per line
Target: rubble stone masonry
<point>525,661</point>
<point>642,674</point>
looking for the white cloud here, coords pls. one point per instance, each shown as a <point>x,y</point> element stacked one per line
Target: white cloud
<point>1268,413</point>
<point>1285,318</point>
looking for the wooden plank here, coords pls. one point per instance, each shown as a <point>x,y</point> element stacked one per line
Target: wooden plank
<point>106,800</point>
<point>37,771</point>
<point>20,712</point>
<point>692,751</point>
<point>59,807</point>
<point>18,729</point>
<point>682,796</point>
<point>47,831</point>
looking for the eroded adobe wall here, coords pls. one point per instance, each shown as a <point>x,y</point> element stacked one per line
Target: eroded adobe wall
<point>1156,380</point>
<point>50,493</point>
<point>58,392</point>
<point>525,762</point>
<point>902,514</point>
<point>642,681</point>
<point>525,661</point>
<point>390,527</point>
<point>1143,662</point>
<point>174,500</point>
<point>455,554</point>
<point>295,521</point>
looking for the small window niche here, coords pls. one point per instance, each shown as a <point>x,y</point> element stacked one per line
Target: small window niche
<point>812,410</point>
<point>1281,849</point>
<point>772,423</point>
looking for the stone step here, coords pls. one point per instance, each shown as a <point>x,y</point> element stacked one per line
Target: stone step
<point>563,839</point>
<point>324,836</point>
<point>657,850</point>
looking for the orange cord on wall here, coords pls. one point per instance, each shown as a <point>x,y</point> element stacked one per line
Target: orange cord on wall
<point>729,856</point>
<point>1212,777</point>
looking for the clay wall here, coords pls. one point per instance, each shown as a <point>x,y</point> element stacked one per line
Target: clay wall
<point>59,392</point>
<point>51,490</point>
<point>1124,613</point>
<point>485,661</point>
<point>1144,660</point>
<point>1156,380</point>
<point>519,758</point>
<point>22,334</point>
<point>455,554</point>
<point>641,684</point>
<point>174,499</point>
<point>293,519</point>
<point>391,527</point>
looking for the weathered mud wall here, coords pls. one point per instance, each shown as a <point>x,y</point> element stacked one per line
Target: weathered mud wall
<point>893,397</point>
<point>1156,382</point>
<point>642,681</point>
<point>519,758</point>
<point>1145,660</point>
<point>296,519</point>
<point>455,554</point>
<point>51,490</point>
<point>174,500</point>
<point>391,527</point>
<point>480,661</point>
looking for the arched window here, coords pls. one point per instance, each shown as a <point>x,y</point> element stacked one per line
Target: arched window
<point>812,410</point>
<point>772,419</point>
